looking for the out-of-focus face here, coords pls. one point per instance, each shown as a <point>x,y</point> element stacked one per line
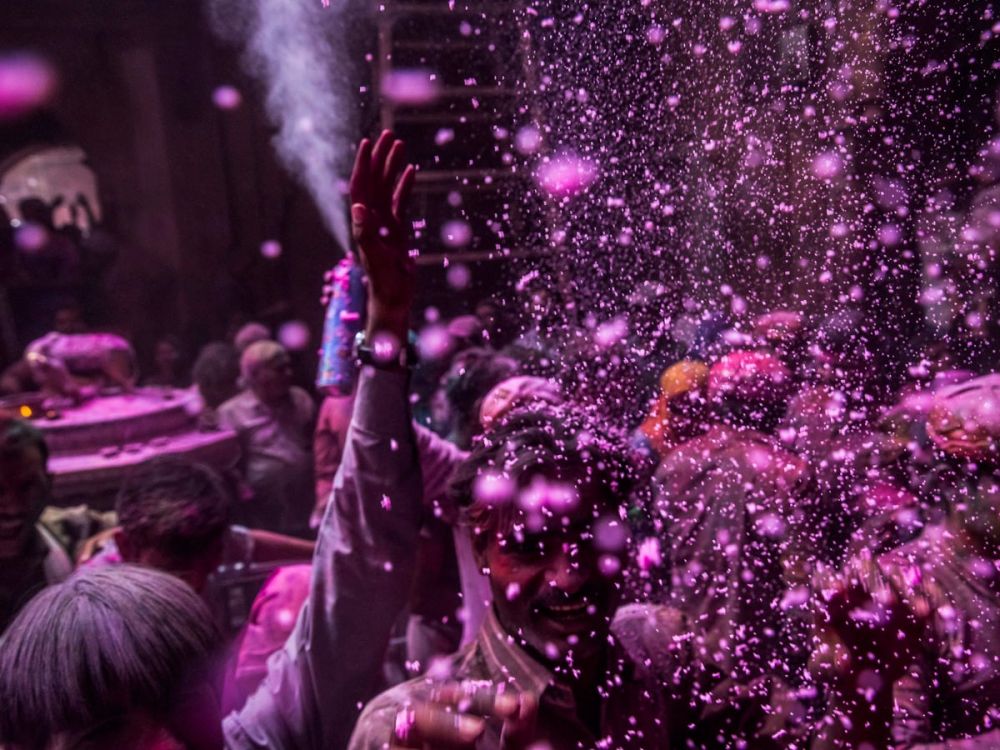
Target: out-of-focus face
<point>553,586</point>
<point>68,320</point>
<point>273,380</point>
<point>166,355</point>
<point>980,514</point>
<point>24,492</point>
<point>194,570</point>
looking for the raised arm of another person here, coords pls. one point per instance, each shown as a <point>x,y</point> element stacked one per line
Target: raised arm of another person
<point>367,541</point>
<point>868,630</point>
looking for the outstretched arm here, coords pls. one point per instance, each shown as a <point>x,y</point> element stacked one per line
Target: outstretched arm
<point>366,547</point>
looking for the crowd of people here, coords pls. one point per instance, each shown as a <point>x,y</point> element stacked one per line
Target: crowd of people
<point>771,558</point>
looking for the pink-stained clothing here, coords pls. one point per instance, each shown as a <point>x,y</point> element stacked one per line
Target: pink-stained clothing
<point>362,577</point>
<point>271,620</point>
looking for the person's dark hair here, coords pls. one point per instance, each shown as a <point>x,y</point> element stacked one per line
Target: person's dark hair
<point>17,436</point>
<point>174,505</point>
<point>475,372</point>
<point>107,642</point>
<point>550,441</point>
<point>763,415</point>
<point>216,370</point>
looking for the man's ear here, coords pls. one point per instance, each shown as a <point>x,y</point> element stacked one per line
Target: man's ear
<point>125,547</point>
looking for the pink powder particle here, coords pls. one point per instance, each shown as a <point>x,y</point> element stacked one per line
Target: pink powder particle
<point>31,237</point>
<point>527,139</point>
<point>26,83</point>
<point>411,87</point>
<point>459,276</point>
<point>227,97</point>
<point>564,175</point>
<point>828,165</point>
<point>771,6</point>
<point>270,249</point>
<point>294,335</point>
<point>434,342</point>
<point>456,233</point>
<point>649,554</point>
<point>493,489</point>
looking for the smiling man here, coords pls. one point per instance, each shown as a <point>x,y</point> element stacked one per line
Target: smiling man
<point>31,557</point>
<point>556,660</point>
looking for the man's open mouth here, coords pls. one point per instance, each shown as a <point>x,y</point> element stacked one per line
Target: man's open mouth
<point>10,528</point>
<point>571,613</point>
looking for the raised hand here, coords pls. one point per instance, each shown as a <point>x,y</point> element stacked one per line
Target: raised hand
<point>869,620</point>
<point>380,188</point>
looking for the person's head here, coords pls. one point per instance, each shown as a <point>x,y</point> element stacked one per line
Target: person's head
<point>964,427</point>
<point>24,484</point>
<point>785,333</point>
<point>545,494</point>
<point>750,389</point>
<point>216,372</point>
<point>174,514</point>
<point>266,369</point>
<point>250,334</point>
<point>518,392</point>
<point>114,657</point>
<point>166,354</point>
<point>473,374</point>
<point>683,398</point>
<point>69,319</point>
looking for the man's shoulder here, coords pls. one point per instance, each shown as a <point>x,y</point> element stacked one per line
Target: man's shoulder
<point>655,637</point>
<point>237,404</point>
<point>303,401</point>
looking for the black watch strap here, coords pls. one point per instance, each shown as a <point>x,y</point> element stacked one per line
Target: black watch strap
<point>382,355</point>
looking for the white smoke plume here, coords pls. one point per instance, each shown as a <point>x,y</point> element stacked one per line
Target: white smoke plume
<point>298,49</point>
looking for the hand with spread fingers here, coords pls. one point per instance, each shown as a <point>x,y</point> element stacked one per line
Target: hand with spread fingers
<point>455,716</point>
<point>869,625</point>
<point>870,619</point>
<point>380,188</point>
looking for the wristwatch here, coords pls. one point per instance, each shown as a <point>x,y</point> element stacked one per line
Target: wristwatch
<point>384,354</point>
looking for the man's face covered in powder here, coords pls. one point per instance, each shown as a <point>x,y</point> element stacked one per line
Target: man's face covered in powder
<point>555,570</point>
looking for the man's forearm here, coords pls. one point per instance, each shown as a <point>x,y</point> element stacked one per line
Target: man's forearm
<point>362,573</point>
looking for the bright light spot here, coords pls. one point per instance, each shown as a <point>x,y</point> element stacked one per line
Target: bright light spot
<point>771,6</point>
<point>411,87</point>
<point>456,233</point>
<point>491,488</point>
<point>564,175</point>
<point>270,249</point>
<point>227,97</point>
<point>527,139</point>
<point>294,335</point>
<point>828,165</point>
<point>27,82</point>
<point>459,276</point>
<point>31,237</point>
<point>434,342</point>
